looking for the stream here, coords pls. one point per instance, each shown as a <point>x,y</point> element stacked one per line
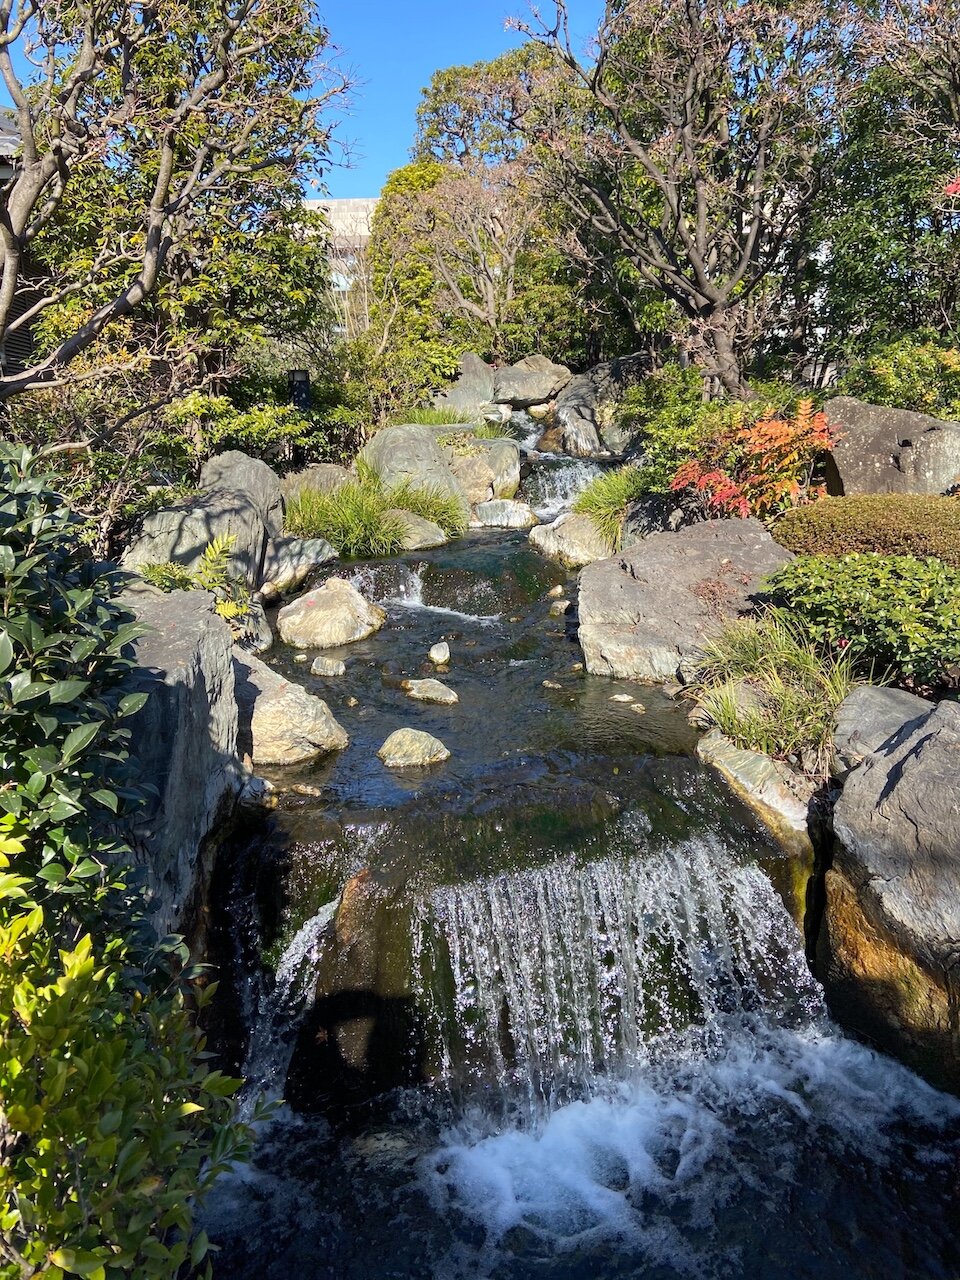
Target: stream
<point>543,1010</point>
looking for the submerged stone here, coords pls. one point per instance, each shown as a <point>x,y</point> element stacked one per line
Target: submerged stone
<point>439,654</point>
<point>430,691</point>
<point>412,748</point>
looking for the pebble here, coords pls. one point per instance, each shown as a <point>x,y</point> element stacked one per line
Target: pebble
<point>551,684</point>
<point>559,608</point>
<point>577,666</point>
<point>301,657</point>
<point>439,655</point>
<point>430,691</point>
<point>556,591</point>
<point>639,708</point>
<point>621,697</point>
<point>353,702</point>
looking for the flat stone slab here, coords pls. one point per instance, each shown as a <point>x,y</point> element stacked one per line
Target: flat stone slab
<point>431,691</point>
<point>411,749</point>
<point>645,614</point>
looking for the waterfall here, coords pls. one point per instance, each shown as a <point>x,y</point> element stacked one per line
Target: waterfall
<point>567,974</point>
<point>555,482</point>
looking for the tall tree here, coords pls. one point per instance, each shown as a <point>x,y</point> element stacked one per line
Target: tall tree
<point>691,147</point>
<point>160,134</point>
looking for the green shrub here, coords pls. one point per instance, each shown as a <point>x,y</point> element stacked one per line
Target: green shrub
<point>768,688</point>
<point>606,499</point>
<point>211,573</point>
<point>889,523</point>
<point>674,423</point>
<point>113,1125</point>
<point>893,613</point>
<point>911,373</point>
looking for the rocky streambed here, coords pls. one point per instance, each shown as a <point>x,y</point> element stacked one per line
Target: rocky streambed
<point>530,986</point>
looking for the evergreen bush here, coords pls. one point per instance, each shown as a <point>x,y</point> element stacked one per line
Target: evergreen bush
<point>888,523</point>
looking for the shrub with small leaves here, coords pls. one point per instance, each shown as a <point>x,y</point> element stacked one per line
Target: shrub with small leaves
<point>113,1122</point>
<point>914,372</point>
<point>895,614</point>
<point>889,523</point>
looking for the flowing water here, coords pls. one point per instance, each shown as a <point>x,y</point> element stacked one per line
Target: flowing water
<point>544,1011</point>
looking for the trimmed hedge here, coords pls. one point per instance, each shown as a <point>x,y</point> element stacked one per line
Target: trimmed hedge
<point>887,523</point>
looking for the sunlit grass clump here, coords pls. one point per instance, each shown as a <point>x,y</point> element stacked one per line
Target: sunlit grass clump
<point>360,517</point>
<point>429,416</point>
<point>768,688</point>
<point>606,500</point>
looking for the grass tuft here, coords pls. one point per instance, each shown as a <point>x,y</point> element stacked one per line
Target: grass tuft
<point>359,518</point>
<point>765,686</point>
<point>429,416</point>
<point>606,499</point>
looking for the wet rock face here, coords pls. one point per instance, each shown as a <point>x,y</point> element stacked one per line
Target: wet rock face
<point>890,946</point>
<point>185,743</point>
<point>583,408</point>
<point>501,513</point>
<point>332,615</point>
<point>419,534</point>
<point>645,614</point>
<point>280,723</point>
<point>869,719</point>
<point>883,450</point>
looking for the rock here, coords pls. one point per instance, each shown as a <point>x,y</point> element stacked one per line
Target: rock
<point>183,532</point>
<point>889,951</point>
<point>411,453</point>
<point>571,539</point>
<point>473,390</point>
<point>655,513</point>
<point>430,691</point>
<point>319,477</point>
<point>280,723</point>
<point>333,614</point>
<point>780,796</point>
<point>234,472</point>
<point>532,380</point>
<point>439,654</point>
<point>503,459</point>
<point>883,450</point>
<point>419,534</point>
<point>475,477</point>
<point>256,634</point>
<point>872,717</point>
<point>504,514</point>
<point>551,684</point>
<point>301,657</point>
<point>184,743</point>
<point>645,614</point>
<point>325,666</point>
<point>559,608</point>
<point>584,409</point>
<point>412,748</point>
<point>622,697</point>
<point>290,561</point>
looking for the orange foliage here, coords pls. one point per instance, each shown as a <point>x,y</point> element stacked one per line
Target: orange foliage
<point>759,468</point>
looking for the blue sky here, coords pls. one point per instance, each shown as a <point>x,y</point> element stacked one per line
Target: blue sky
<point>391,48</point>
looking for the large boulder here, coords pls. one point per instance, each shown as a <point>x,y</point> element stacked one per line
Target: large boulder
<point>585,407</point>
<point>883,450</point>
<point>531,381</point>
<point>475,477</point>
<point>889,949</point>
<point>319,477</point>
<point>412,454</point>
<point>572,539</point>
<point>290,561</point>
<point>653,513</point>
<point>869,718</point>
<point>472,393</point>
<point>235,472</point>
<point>184,743</point>
<point>239,499</point>
<point>645,614</point>
<point>332,615</point>
<point>280,723</point>
<point>503,459</point>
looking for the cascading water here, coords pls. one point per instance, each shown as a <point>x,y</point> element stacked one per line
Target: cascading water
<point>567,974</point>
<point>555,481</point>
